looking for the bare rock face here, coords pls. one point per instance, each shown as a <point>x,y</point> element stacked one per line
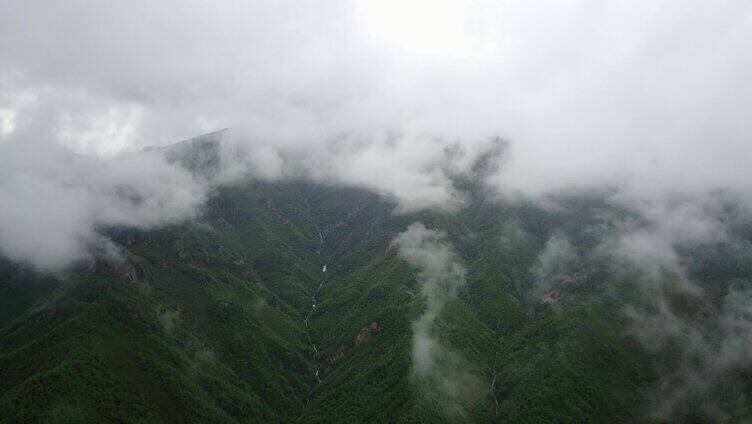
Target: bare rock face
<point>575,279</point>
<point>367,333</point>
<point>555,294</point>
<point>224,223</point>
<point>132,272</point>
<point>338,355</point>
<point>561,288</point>
<point>391,247</point>
<point>567,283</point>
<point>125,268</point>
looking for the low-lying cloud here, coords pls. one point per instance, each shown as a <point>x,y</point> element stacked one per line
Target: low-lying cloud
<point>645,103</point>
<point>650,99</point>
<point>56,202</point>
<point>555,262</point>
<point>652,259</point>
<point>445,374</point>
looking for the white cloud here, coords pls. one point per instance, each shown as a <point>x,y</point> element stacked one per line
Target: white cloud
<point>649,99</point>
<point>55,201</point>
<point>445,374</point>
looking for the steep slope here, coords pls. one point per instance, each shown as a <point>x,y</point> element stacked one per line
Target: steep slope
<point>197,317</point>
<point>288,302</point>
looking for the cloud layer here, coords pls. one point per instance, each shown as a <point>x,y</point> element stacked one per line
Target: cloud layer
<point>647,100</point>
<point>56,202</point>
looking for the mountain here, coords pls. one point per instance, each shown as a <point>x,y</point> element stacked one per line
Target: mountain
<point>290,301</point>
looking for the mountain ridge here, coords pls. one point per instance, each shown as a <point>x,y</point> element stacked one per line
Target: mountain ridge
<point>214,320</point>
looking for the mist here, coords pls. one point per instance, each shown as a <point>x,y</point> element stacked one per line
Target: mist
<point>56,203</point>
<point>646,100</point>
<point>644,105</point>
<point>442,373</point>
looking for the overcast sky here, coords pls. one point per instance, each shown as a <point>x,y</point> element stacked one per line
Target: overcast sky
<point>651,97</point>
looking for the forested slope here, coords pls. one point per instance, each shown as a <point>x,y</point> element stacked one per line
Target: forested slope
<point>234,318</point>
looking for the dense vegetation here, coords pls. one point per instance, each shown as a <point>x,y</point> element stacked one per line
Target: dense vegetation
<point>212,321</point>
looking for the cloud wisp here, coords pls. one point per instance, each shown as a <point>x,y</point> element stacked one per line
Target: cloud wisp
<point>649,267</point>
<point>443,374</point>
<point>647,102</point>
<point>56,202</point>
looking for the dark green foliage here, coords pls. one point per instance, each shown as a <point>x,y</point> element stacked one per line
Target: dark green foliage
<point>206,322</point>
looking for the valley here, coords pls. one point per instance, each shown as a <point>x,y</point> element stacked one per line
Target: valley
<point>289,310</point>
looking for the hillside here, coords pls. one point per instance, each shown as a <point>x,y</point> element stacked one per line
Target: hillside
<point>290,302</point>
